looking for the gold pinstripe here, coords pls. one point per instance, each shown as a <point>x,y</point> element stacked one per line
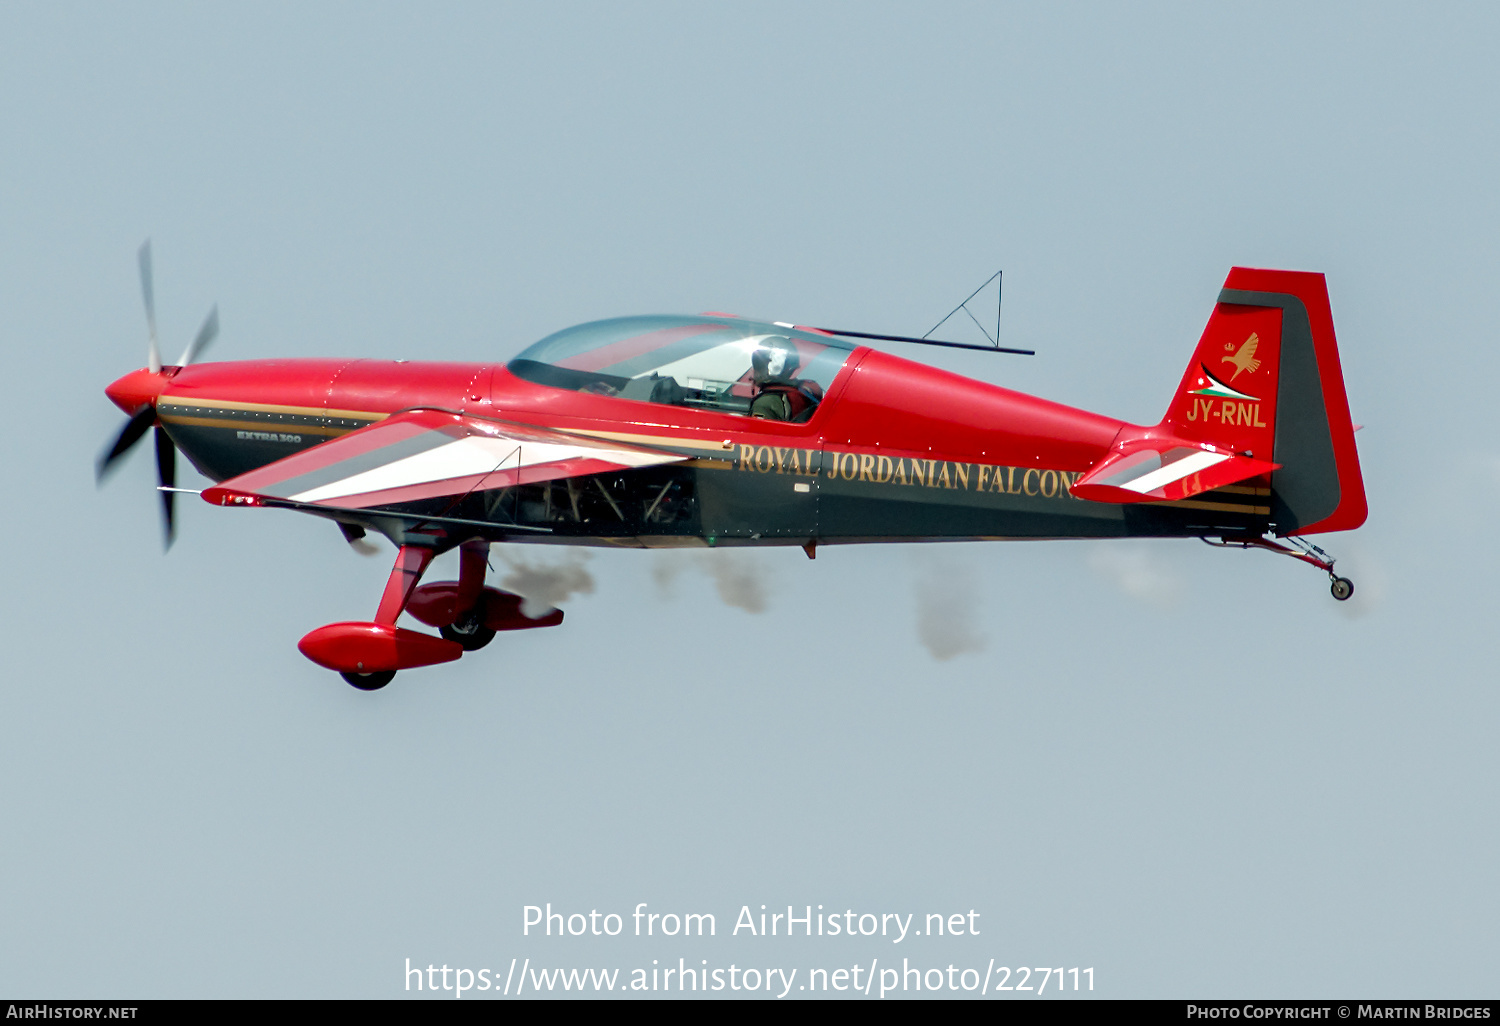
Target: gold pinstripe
<point>297,411</point>
<point>1221,507</point>
<point>260,425</point>
<point>623,436</point>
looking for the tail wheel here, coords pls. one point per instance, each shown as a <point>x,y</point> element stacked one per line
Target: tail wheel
<point>1342,588</point>
<point>369,681</point>
<point>470,632</point>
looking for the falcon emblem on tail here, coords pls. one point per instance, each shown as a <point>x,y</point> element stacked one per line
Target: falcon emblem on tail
<point>1244,360</point>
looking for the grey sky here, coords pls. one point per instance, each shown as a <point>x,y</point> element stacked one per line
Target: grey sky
<point>1189,769</point>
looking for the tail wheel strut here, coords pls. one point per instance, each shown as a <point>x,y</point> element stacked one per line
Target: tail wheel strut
<point>1300,548</point>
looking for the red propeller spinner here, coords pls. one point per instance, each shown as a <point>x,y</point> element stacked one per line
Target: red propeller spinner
<point>136,395</point>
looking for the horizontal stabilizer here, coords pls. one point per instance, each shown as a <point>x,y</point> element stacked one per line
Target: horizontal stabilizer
<point>427,454</point>
<point>1158,469</point>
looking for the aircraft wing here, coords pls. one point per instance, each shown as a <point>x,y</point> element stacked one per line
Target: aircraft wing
<point>426,454</point>
<point>1157,469</point>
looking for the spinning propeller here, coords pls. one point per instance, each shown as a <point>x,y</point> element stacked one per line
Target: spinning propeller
<point>136,394</point>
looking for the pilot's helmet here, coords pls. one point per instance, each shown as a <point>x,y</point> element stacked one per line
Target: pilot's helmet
<point>775,357</point>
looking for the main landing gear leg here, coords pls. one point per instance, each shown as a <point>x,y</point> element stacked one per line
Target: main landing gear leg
<point>367,653</point>
<point>1341,587</point>
<point>411,563</point>
<point>468,627</point>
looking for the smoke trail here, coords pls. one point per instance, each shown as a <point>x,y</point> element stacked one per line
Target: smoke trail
<point>544,585</point>
<point>739,577</point>
<point>947,618</point>
<point>1133,570</point>
<point>666,567</point>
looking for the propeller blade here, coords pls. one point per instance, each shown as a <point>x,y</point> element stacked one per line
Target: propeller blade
<point>166,473</point>
<point>134,428</point>
<point>148,293</point>
<point>206,334</point>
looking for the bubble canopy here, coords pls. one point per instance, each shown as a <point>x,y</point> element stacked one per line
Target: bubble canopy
<point>717,363</point>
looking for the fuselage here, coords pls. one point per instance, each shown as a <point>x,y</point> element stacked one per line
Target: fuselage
<point>893,450</point>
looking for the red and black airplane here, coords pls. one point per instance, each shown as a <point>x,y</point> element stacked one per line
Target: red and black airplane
<point>711,430</point>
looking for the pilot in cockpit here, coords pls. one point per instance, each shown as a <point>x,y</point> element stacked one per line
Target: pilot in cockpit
<point>777,394</point>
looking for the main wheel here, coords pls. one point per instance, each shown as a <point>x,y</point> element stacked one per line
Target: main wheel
<point>1342,588</point>
<point>369,681</point>
<point>470,632</point>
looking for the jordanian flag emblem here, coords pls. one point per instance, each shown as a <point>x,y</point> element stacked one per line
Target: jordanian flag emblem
<point>1213,386</point>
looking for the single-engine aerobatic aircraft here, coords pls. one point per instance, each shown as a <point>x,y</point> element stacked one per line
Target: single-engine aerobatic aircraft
<point>714,430</point>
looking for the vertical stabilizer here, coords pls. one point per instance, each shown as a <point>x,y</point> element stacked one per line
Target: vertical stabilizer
<point>1265,382</point>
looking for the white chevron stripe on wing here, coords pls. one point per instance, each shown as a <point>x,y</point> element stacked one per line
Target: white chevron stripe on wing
<point>467,457</point>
